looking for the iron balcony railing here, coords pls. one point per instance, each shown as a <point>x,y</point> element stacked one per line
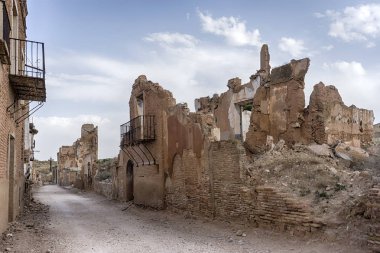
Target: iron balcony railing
<point>138,130</point>
<point>27,58</point>
<point>6,24</point>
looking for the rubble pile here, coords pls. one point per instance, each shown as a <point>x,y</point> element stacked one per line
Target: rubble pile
<point>340,183</point>
<point>28,231</point>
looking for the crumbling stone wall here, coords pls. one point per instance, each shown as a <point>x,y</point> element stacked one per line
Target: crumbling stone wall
<point>376,134</point>
<point>279,111</point>
<point>214,185</point>
<point>329,120</point>
<point>278,106</point>
<point>228,108</point>
<point>104,188</point>
<point>87,154</point>
<point>76,163</point>
<point>187,131</point>
<point>67,166</point>
<point>104,179</point>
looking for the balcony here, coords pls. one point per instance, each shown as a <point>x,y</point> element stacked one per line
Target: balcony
<point>139,130</point>
<point>27,70</point>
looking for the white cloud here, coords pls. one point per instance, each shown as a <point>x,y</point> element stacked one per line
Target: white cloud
<point>294,47</point>
<point>371,44</point>
<point>328,48</point>
<point>348,68</point>
<point>232,29</point>
<point>172,39</point>
<point>319,15</point>
<point>56,131</point>
<point>102,87</point>
<point>84,88</point>
<point>357,86</point>
<point>357,23</point>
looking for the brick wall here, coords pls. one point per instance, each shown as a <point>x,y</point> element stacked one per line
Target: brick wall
<point>189,186</point>
<point>11,192</point>
<point>217,188</point>
<point>7,128</point>
<point>373,210</point>
<point>280,210</point>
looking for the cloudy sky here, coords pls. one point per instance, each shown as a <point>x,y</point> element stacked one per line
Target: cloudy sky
<point>96,49</point>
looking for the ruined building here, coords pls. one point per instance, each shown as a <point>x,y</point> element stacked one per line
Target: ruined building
<point>22,81</point>
<point>76,163</point>
<point>201,162</point>
<point>68,170</point>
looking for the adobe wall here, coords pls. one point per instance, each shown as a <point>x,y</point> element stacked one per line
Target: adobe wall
<point>329,120</point>
<point>148,173</point>
<point>279,111</point>
<point>120,177</point>
<point>226,108</point>
<point>104,188</point>
<point>278,106</point>
<point>148,186</point>
<point>186,131</point>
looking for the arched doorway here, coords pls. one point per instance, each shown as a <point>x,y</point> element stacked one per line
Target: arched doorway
<point>129,180</point>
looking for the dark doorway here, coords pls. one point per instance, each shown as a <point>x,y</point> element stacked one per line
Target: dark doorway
<point>11,169</point>
<point>129,180</point>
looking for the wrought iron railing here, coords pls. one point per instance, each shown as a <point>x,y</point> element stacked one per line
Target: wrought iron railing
<point>6,24</point>
<point>27,58</point>
<point>139,129</point>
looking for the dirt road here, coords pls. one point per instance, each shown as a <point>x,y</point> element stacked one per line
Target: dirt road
<point>86,222</point>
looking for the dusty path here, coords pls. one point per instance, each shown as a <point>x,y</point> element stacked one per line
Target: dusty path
<point>86,222</point>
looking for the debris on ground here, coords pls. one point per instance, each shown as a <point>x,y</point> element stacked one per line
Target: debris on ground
<point>27,232</point>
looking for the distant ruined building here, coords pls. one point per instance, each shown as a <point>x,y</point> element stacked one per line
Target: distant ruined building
<point>77,163</point>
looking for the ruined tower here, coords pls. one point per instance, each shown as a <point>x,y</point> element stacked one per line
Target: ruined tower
<point>264,63</point>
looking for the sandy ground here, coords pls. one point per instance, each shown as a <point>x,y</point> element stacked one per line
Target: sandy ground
<point>86,222</point>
